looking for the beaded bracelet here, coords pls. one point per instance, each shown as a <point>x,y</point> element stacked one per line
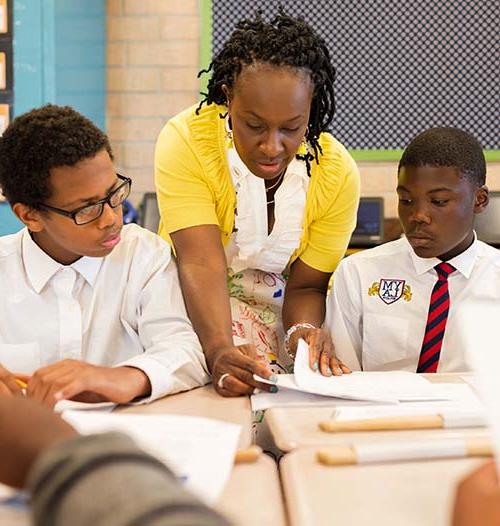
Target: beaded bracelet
<point>290,331</point>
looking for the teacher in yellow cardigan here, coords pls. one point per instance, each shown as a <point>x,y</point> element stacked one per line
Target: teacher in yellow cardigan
<point>259,201</point>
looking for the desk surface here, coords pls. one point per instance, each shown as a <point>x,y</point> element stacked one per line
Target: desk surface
<point>205,402</point>
<point>296,427</point>
<point>406,493</point>
<point>253,495</point>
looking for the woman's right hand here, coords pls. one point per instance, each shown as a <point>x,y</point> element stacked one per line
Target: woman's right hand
<point>238,364</point>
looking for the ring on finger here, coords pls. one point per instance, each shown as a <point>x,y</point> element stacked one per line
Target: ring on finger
<point>220,381</point>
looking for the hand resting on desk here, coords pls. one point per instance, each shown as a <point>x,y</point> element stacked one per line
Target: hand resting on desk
<point>81,381</point>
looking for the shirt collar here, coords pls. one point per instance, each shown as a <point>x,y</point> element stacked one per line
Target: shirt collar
<point>88,268</point>
<point>464,262</point>
<point>40,267</point>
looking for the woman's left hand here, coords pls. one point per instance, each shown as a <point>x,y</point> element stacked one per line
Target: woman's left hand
<point>321,351</point>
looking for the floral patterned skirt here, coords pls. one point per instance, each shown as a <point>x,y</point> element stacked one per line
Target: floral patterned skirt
<point>256,299</point>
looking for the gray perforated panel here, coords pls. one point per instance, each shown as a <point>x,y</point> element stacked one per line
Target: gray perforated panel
<point>402,66</point>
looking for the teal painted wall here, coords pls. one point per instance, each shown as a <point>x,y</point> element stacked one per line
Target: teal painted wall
<point>60,55</point>
<point>9,224</point>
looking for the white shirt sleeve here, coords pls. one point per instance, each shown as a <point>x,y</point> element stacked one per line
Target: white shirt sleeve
<point>173,358</point>
<point>343,317</point>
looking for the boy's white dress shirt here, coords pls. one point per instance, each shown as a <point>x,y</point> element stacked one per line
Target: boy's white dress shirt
<point>377,311</point>
<point>123,309</point>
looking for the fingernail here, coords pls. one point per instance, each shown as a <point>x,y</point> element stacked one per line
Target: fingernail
<point>273,378</point>
<point>329,371</point>
<point>315,366</point>
<point>339,371</point>
<point>274,389</point>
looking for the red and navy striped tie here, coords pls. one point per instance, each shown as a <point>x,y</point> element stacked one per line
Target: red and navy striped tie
<point>436,321</point>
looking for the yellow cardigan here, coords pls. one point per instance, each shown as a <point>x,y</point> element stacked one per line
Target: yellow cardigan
<point>194,187</point>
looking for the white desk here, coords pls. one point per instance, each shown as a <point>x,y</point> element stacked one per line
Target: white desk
<point>396,494</point>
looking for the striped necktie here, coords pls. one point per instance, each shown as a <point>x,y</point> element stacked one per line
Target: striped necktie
<point>436,321</point>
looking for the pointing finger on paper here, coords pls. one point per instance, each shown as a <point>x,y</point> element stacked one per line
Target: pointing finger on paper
<point>241,363</point>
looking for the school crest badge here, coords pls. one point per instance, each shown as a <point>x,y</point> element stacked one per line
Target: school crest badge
<point>390,290</point>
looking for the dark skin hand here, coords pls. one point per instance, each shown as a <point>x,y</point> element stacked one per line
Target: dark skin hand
<point>20,446</point>
<point>203,276</point>
<point>306,292</point>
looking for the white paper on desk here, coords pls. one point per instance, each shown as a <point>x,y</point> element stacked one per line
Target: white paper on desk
<point>479,325</point>
<point>198,450</point>
<point>291,398</point>
<point>70,405</point>
<point>463,409</point>
<point>385,387</point>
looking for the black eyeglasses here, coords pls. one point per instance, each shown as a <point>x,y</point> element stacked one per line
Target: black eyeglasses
<point>88,213</point>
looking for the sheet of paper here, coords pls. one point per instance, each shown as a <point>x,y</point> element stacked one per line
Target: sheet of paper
<point>461,398</point>
<point>464,403</point>
<point>384,387</point>
<point>292,398</point>
<point>479,326</point>
<point>199,451</point>
<point>471,379</point>
<point>70,405</point>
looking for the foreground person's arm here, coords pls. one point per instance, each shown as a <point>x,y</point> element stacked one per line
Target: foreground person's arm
<point>102,480</point>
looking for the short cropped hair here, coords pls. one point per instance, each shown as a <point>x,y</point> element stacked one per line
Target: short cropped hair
<point>40,140</point>
<point>446,146</point>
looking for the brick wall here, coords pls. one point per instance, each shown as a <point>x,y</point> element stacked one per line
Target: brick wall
<point>152,65</point>
<point>153,60</point>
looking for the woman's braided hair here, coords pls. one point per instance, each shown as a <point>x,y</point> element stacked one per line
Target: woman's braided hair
<point>284,41</point>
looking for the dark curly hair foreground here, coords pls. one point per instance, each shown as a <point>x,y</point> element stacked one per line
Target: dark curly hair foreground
<point>284,41</point>
<point>40,140</point>
<point>447,146</point>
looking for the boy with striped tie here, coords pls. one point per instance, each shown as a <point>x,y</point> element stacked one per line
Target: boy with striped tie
<point>394,306</point>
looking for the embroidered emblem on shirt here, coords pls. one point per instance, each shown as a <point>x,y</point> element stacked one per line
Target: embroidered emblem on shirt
<point>390,290</point>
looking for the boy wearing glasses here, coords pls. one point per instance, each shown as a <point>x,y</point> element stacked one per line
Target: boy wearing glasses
<point>89,310</point>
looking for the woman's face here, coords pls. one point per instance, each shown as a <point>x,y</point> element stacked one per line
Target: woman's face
<point>269,109</point>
